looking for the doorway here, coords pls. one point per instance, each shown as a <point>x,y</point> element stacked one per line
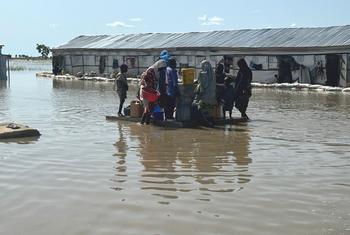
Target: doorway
<point>57,64</point>
<point>102,65</point>
<point>332,70</point>
<point>284,71</point>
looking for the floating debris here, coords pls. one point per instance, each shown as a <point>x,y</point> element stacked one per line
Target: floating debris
<point>12,130</point>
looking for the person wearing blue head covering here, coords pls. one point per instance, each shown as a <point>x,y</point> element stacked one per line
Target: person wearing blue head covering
<point>160,69</point>
<point>164,55</point>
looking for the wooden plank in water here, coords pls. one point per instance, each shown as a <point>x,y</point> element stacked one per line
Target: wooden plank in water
<point>121,118</point>
<point>170,124</point>
<point>13,130</point>
<point>175,124</point>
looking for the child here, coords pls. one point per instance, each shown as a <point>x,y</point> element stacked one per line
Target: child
<point>122,86</point>
<point>228,97</point>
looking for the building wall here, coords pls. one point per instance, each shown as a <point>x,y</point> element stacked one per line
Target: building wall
<point>348,72</point>
<point>3,68</point>
<point>264,67</point>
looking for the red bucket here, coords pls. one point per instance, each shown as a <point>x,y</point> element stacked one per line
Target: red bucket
<point>150,94</point>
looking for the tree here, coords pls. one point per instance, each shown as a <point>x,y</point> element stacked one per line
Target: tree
<point>43,50</point>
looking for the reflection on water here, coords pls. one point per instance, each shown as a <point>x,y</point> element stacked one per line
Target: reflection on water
<point>3,100</point>
<point>3,84</point>
<point>175,161</point>
<point>285,172</point>
<point>79,85</point>
<point>25,140</point>
<point>121,154</point>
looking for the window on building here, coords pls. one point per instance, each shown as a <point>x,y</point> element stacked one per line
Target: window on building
<point>115,64</point>
<point>77,60</point>
<point>102,64</point>
<point>145,61</point>
<point>320,61</point>
<point>58,64</point>
<point>272,62</point>
<point>300,59</point>
<point>130,62</point>
<point>199,59</point>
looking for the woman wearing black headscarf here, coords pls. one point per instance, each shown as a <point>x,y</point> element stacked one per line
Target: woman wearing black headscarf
<point>243,89</point>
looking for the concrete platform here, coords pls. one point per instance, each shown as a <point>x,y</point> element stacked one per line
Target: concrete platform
<point>11,130</point>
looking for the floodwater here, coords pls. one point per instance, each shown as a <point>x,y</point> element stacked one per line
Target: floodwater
<point>285,172</point>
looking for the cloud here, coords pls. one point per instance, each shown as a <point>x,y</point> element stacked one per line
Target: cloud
<point>210,21</point>
<point>293,25</point>
<point>214,21</point>
<point>136,19</point>
<point>119,24</point>
<point>202,18</point>
<point>53,26</point>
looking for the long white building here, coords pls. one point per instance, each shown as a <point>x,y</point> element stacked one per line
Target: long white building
<point>318,55</point>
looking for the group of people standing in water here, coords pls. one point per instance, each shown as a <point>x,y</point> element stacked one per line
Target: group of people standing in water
<point>159,87</point>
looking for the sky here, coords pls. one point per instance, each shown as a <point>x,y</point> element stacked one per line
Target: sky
<point>24,23</point>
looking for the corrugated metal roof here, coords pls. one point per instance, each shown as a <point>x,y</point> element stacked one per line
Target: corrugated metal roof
<point>337,36</point>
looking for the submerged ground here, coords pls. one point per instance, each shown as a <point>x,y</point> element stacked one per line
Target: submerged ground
<point>285,172</point>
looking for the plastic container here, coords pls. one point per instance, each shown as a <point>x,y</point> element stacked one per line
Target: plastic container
<point>159,116</point>
<point>150,94</point>
<point>218,112</point>
<point>135,109</point>
<point>188,75</point>
<point>127,111</point>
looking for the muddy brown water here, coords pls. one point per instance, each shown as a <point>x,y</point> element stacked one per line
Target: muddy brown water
<point>285,172</point>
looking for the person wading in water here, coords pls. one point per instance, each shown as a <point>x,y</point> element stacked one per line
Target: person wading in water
<point>122,86</point>
<point>243,88</point>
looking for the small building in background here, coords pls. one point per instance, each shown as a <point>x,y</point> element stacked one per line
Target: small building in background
<point>3,64</point>
<point>317,55</point>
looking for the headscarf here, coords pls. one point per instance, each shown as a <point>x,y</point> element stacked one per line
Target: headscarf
<point>123,68</point>
<point>243,66</point>
<point>164,55</point>
<point>219,69</point>
<point>220,75</point>
<point>172,63</point>
<point>148,78</point>
<point>158,65</point>
<point>207,69</point>
<point>244,77</point>
<point>206,83</point>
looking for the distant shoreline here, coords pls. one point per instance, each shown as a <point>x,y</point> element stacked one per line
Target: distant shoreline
<point>30,64</point>
<point>31,58</point>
